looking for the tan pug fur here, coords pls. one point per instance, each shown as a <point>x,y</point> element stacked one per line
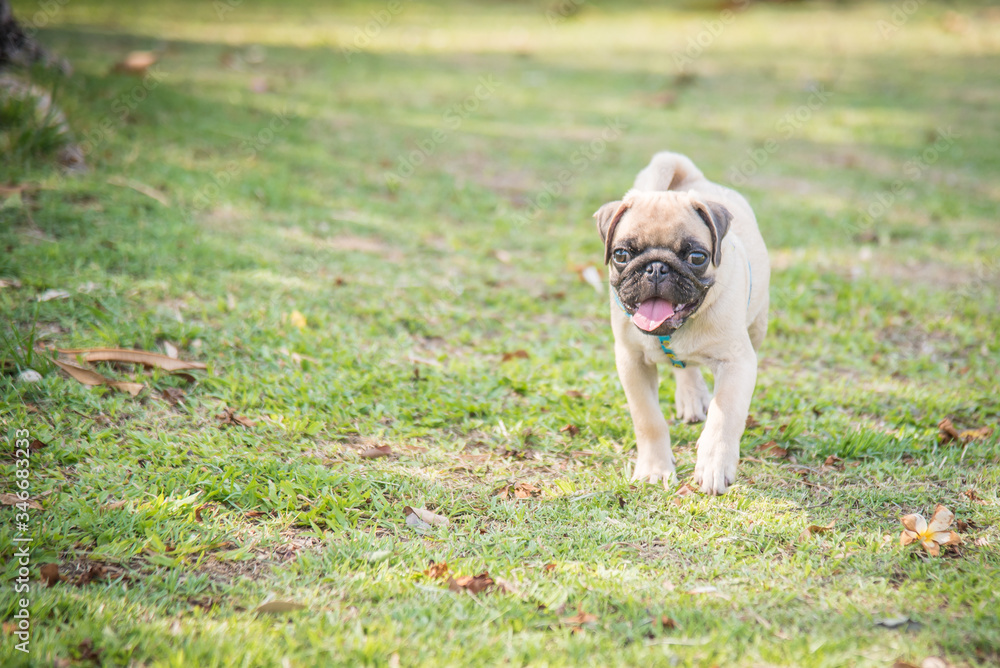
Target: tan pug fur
<point>672,206</point>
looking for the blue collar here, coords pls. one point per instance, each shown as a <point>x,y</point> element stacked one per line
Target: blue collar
<point>665,339</point>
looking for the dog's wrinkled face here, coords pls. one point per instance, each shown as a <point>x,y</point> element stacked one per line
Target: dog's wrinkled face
<point>663,249</point>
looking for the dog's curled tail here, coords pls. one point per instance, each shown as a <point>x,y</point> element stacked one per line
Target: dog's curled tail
<point>668,171</point>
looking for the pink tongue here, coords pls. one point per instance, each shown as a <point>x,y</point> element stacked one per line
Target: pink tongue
<point>651,313</point>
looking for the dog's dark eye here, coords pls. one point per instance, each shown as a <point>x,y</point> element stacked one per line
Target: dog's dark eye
<point>622,256</point>
<point>697,258</point>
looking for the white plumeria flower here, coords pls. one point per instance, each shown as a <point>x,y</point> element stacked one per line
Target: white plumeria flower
<point>932,535</point>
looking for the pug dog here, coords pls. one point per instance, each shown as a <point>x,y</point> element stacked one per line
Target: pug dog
<point>689,276</point>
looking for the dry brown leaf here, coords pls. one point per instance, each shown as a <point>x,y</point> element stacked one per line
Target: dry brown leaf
<point>95,572</point>
<point>980,434</point>
<point>229,417</point>
<point>515,355</point>
<point>668,622</point>
<point>147,359</point>
<point>571,428</point>
<point>521,490</point>
<point>814,529</point>
<point>437,571</point>
<point>947,432</point>
<point>114,505</point>
<point>427,516</point>
<point>172,395</point>
<point>375,452</point>
<point>13,500</point>
<point>834,461</point>
<point>136,62</point>
<point>549,568</point>
<point>474,584</point>
<point>580,618</point>
<point>772,449</point>
<point>50,574</point>
<point>141,188</point>
<point>92,378</point>
<point>37,445</point>
<point>752,422</point>
<point>685,490</point>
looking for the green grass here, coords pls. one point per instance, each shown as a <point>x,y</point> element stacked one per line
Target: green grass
<point>413,291</point>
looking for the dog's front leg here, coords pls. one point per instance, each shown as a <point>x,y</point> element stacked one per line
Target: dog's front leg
<point>719,443</point>
<point>655,461</point>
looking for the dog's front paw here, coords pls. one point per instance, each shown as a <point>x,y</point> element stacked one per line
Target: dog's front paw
<point>715,470</point>
<point>654,471</point>
<point>692,403</point>
<point>691,396</point>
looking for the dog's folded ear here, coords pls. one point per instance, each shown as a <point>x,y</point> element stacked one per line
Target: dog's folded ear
<point>717,218</point>
<point>607,218</point>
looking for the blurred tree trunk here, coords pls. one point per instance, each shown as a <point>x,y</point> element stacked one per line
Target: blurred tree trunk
<point>18,47</point>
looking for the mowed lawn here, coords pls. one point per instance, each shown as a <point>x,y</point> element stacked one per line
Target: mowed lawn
<point>372,223</point>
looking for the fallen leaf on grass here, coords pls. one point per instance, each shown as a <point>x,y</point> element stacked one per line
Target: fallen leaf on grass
<point>437,571</point>
<point>752,422</point>
<point>147,359</point>
<point>521,490</point>
<point>49,295</point>
<point>297,320</point>
<point>515,355</point>
<point>834,461</point>
<point>229,417</point>
<point>136,62</point>
<point>425,516</point>
<point>474,584</point>
<point>50,574</point>
<point>14,499</point>
<point>814,529</point>
<point>375,452</point>
<point>897,622</point>
<point>278,607</point>
<point>37,445</point>
<point>931,535</point>
<point>90,377</point>
<point>667,622</point>
<point>549,568</point>
<point>571,428</point>
<point>9,283</point>
<point>141,188</point>
<point>947,433</point>
<point>685,490</point>
<point>772,449</point>
<point>114,505</point>
<point>95,572</point>
<point>580,618</point>
<point>172,395</point>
